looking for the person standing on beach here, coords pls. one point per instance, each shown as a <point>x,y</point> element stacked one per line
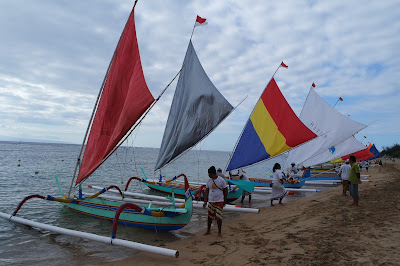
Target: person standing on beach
<point>243,176</point>
<point>278,190</point>
<point>219,173</point>
<point>216,194</point>
<point>293,169</point>
<point>344,176</point>
<point>354,179</point>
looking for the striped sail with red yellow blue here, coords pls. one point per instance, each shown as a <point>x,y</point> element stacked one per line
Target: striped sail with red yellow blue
<point>272,128</point>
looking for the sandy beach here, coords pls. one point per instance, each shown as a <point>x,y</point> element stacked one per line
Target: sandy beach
<point>319,230</point>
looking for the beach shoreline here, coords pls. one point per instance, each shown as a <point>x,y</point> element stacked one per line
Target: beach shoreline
<point>321,229</point>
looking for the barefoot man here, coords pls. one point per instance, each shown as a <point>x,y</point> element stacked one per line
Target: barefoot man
<point>344,176</point>
<point>215,194</point>
<point>354,179</point>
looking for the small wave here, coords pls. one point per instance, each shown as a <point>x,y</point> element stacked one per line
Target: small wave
<point>24,242</point>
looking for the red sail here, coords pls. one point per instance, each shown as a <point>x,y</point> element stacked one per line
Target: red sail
<point>360,155</point>
<point>124,99</point>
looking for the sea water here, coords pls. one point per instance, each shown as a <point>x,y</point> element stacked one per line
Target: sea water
<point>30,168</point>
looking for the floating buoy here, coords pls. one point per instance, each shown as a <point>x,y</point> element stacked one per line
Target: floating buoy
<point>18,165</point>
<point>36,172</point>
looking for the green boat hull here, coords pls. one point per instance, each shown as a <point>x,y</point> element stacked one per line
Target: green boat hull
<point>172,218</point>
<point>178,190</point>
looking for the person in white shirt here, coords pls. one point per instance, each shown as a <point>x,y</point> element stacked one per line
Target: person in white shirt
<point>293,169</point>
<point>278,190</point>
<point>219,173</point>
<point>216,194</point>
<point>344,176</point>
<point>243,176</point>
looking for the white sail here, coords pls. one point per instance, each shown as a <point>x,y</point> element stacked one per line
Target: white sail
<point>331,127</point>
<point>348,146</point>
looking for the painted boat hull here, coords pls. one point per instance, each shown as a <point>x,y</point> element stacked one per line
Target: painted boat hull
<point>261,182</point>
<point>324,178</point>
<point>169,187</point>
<point>104,209</point>
<point>324,174</point>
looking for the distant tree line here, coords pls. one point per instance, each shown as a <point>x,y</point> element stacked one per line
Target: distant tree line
<point>393,151</point>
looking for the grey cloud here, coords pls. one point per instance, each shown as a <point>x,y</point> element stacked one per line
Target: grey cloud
<point>65,46</point>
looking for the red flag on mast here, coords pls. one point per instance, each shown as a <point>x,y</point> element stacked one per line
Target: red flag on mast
<point>341,99</point>
<point>284,65</point>
<point>313,85</point>
<point>200,21</point>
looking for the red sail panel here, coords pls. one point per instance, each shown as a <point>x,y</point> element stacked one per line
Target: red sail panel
<point>124,99</point>
<point>360,155</point>
<point>290,126</point>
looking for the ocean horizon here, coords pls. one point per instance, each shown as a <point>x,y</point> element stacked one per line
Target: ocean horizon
<point>30,168</point>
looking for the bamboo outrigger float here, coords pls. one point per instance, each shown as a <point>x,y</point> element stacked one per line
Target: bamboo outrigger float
<point>94,237</point>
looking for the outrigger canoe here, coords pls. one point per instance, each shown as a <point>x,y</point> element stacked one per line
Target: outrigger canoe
<point>296,182</point>
<point>158,218</point>
<point>197,191</point>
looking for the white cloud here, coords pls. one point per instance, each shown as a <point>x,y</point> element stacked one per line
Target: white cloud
<point>55,54</point>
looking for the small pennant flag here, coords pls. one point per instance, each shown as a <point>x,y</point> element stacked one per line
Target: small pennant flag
<point>341,99</point>
<point>200,21</point>
<point>365,137</point>
<point>313,85</point>
<point>283,65</point>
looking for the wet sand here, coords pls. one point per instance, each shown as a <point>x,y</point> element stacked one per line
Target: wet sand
<point>321,229</point>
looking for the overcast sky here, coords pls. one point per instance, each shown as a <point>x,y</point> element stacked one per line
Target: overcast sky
<point>54,55</point>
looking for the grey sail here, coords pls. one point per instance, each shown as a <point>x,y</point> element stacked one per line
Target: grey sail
<point>197,108</point>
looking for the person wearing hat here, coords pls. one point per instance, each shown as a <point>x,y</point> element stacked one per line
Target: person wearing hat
<point>344,172</point>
